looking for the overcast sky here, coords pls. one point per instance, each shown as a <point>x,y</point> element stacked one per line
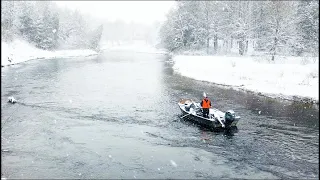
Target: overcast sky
<point>137,11</point>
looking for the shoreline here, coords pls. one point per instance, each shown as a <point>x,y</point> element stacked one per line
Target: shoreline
<point>240,78</point>
<point>19,51</point>
<point>11,64</point>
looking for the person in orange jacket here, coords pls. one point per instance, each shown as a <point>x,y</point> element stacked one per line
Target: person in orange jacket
<point>205,104</point>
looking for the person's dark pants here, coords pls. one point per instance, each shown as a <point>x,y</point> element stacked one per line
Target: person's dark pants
<point>205,112</point>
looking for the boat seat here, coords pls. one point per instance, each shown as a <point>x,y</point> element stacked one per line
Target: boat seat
<point>187,106</point>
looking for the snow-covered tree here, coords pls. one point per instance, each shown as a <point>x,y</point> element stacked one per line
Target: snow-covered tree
<point>275,27</point>
<point>172,32</point>
<point>7,17</point>
<point>46,26</point>
<point>280,27</point>
<point>307,18</point>
<point>95,38</point>
<point>27,22</point>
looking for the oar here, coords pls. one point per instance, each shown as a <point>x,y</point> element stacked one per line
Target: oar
<point>184,116</point>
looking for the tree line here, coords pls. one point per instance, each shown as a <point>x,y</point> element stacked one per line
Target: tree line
<point>272,27</point>
<point>48,27</point>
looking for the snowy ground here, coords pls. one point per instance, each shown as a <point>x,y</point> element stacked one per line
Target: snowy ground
<point>19,51</point>
<point>287,78</point>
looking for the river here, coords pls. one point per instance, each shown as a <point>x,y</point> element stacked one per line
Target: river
<point>116,116</point>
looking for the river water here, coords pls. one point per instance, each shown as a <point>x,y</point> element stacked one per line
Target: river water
<point>116,116</point>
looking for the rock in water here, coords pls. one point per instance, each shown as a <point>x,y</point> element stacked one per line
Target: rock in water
<point>12,100</point>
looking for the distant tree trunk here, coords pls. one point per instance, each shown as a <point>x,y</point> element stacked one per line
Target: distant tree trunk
<point>275,41</point>
<point>274,49</point>
<point>241,47</point>
<point>207,26</point>
<point>231,43</point>
<point>208,41</point>
<point>215,43</point>
<point>246,48</point>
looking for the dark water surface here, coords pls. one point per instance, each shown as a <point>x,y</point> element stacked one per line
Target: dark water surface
<point>116,116</point>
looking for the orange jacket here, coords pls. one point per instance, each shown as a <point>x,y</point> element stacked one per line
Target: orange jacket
<point>206,104</point>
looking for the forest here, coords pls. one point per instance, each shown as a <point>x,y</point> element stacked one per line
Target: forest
<point>287,28</point>
<point>47,26</point>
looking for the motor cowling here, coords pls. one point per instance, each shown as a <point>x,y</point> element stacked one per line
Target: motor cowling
<point>230,116</point>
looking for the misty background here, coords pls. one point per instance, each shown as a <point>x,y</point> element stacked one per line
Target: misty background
<point>49,26</point>
<point>271,28</point>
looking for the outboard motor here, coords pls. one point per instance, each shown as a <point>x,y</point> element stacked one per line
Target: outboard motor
<point>229,116</point>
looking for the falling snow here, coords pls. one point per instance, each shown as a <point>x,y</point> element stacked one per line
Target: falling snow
<point>173,163</point>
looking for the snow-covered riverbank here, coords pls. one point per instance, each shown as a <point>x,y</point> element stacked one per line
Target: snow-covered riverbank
<point>20,51</point>
<point>287,78</point>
